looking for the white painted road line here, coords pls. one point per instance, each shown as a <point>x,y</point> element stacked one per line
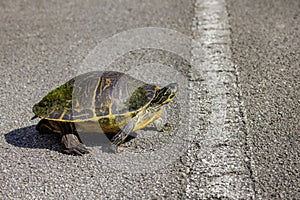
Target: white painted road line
<point>221,166</point>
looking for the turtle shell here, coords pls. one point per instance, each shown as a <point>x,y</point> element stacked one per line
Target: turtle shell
<point>96,96</point>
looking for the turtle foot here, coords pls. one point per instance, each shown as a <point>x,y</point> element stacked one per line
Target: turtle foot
<point>114,149</point>
<point>166,128</point>
<point>71,145</point>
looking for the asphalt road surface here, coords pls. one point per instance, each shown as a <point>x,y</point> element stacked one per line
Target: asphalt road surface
<point>235,120</point>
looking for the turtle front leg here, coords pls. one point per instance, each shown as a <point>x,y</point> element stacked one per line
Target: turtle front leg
<point>122,135</point>
<point>162,126</point>
<point>160,123</point>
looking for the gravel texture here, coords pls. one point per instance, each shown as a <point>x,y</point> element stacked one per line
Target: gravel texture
<point>265,37</point>
<point>253,154</point>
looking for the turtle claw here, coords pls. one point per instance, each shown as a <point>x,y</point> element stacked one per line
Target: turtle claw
<point>161,126</point>
<point>77,151</point>
<point>120,149</point>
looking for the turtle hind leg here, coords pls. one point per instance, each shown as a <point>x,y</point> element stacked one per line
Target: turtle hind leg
<point>46,127</point>
<point>70,141</point>
<point>71,145</point>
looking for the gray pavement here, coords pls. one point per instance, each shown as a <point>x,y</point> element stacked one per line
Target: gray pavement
<point>265,46</point>
<point>42,46</point>
<point>236,120</point>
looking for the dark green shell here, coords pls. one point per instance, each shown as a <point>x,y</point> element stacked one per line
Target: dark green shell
<point>94,95</point>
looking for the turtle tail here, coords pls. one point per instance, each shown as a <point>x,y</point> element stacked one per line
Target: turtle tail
<point>35,116</point>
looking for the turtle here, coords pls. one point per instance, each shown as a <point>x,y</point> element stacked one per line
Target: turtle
<point>114,103</point>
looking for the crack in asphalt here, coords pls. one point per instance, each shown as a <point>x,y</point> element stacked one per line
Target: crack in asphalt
<point>245,128</point>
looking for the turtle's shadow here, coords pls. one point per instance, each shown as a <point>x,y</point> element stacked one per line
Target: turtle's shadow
<point>28,137</point>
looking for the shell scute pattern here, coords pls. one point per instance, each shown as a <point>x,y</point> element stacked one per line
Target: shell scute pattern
<point>110,96</point>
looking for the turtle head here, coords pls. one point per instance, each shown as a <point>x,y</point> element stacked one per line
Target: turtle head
<point>165,94</point>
